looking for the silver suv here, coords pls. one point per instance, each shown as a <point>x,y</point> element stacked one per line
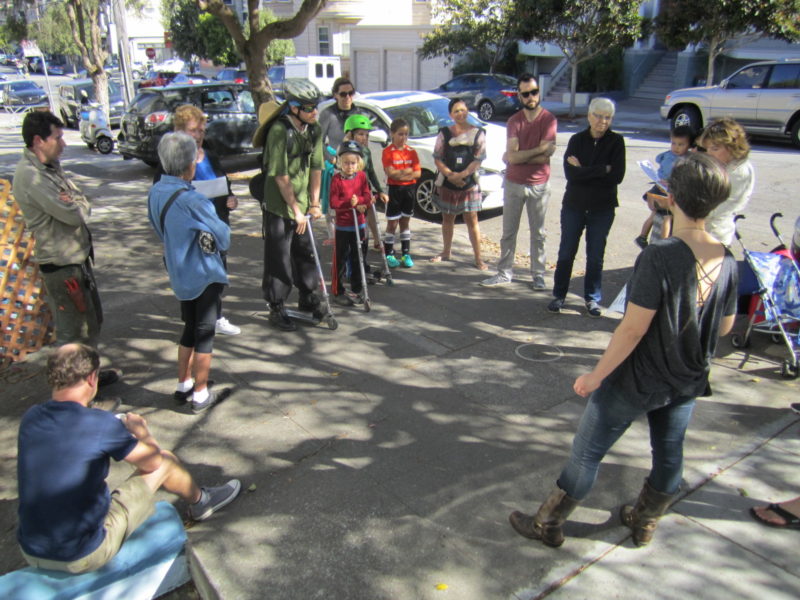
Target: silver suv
<point>764,97</point>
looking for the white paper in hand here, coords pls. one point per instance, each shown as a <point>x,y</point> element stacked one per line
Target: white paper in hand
<point>211,188</point>
<point>652,173</point>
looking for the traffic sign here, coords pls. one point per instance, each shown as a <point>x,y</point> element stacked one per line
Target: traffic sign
<point>151,53</point>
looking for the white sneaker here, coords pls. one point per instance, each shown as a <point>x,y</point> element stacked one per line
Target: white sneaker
<point>226,327</point>
<point>495,280</point>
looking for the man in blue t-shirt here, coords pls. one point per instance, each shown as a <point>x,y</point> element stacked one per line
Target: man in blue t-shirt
<point>68,519</point>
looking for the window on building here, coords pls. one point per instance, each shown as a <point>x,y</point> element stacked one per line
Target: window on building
<point>318,70</point>
<point>329,71</point>
<point>323,35</point>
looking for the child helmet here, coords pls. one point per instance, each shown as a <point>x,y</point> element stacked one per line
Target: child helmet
<point>350,146</point>
<point>302,91</point>
<point>357,122</point>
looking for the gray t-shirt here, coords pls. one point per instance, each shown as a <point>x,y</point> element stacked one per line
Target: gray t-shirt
<point>673,358</point>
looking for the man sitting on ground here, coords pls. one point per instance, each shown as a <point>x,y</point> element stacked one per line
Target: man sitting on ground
<point>68,520</point>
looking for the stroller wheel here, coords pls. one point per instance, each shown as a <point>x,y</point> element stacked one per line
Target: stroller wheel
<point>789,370</point>
<point>739,341</point>
<point>776,338</point>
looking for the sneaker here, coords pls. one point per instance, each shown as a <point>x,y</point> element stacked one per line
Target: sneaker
<point>495,280</point>
<point>343,299</point>
<point>214,397</point>
<point>106,403</point>
<point>407,262</point>
<point>226,327</point>
<point>641,241</point>
<point>556,305</point>
<point>279,319</point>
<point>214,498</point>
<point>593,309</point>
<point>107,377</point>
<point>392,261</point>
<point>538,283</point>
<point>184,397</point>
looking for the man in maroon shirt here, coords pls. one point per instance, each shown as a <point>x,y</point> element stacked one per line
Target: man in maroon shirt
<point>531,141</point>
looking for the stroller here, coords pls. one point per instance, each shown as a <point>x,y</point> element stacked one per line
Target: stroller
<point>776,310</point>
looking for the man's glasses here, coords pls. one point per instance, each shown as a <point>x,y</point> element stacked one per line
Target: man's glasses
<point>346,94</point>
<point>534,92</point>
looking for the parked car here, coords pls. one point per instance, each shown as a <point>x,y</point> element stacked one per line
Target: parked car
<point>188,79</point>
<point>232,74</point>
<point>276,75</point>
<point>426,113</point>
<point>764,97</point>
<point>69,100</point>
<point>488,94</point>
<point>21,93</point>
<point>157,78</point>
<point>231,112</point>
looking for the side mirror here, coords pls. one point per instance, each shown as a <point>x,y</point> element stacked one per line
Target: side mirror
<point>724,83</point>
<point>379,136</point>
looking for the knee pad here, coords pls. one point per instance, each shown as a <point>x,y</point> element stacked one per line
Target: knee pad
<point>388,238</point>
<point>405,235</point>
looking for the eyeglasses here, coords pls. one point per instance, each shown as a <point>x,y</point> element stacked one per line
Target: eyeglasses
<point>308,109</point>
<point>346,94</point>
<point>534,92</point>
<point>602,117</point>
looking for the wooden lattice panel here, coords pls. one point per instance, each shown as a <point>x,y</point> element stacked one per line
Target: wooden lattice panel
<point>25,320</point>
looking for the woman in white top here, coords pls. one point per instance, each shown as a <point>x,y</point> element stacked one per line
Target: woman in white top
<point>726,141</point>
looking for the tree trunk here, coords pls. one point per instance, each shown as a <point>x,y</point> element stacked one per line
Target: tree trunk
<point>713,51</point>
<point>573,88</point>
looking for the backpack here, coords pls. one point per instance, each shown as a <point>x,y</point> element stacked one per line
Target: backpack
<point>457,158</point>
<point>295,146</point>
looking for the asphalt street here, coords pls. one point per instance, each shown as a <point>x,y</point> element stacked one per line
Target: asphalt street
<point>381,460</point>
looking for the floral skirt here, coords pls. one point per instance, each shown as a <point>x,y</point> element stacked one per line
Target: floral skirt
<point>455,202</point>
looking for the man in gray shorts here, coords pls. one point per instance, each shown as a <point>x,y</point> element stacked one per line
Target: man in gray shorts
<point>68,519</point>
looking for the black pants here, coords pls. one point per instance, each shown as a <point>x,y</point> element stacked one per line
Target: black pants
<point>347,252</point>
<point>199,318</point>
<point>288,260</point>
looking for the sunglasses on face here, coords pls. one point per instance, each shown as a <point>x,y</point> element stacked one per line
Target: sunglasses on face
<point>346,94</point>
<point>308,109</point>
<point>533,92</point>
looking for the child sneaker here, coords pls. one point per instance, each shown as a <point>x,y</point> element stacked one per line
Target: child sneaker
<point>407,262</point>
<point>392,261</point>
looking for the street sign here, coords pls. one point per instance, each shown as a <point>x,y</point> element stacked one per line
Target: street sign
<point>151,53</point>
<point>30,48</point>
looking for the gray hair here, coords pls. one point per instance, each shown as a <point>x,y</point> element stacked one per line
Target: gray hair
<point>177,151</point>
<point>602,106</point>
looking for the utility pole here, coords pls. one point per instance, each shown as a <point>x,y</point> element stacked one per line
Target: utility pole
<point>118,8</point>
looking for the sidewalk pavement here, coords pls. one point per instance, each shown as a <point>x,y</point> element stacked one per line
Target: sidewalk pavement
<point>381,460</point>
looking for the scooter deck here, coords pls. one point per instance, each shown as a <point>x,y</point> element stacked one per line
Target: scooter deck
<point>301,315</point>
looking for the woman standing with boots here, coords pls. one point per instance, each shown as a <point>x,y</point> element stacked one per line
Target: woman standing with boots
<point>681,298</point>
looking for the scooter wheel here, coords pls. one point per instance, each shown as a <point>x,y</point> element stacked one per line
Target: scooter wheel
<point>739,341</point>
<point>367,306</point>
<point>789,370</point>
<point>105,145</point>
<point>333,324</point>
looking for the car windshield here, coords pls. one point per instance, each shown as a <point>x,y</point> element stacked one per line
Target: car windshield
<point>506,80</point>
<point>24,86</point>
<point>427,117</point>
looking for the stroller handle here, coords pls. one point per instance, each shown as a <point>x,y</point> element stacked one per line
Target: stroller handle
<point>735,228</point>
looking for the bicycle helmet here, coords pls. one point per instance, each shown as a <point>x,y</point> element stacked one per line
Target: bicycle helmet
<point>357,122</point>
<point>350,146</point>
<point>301,91</point>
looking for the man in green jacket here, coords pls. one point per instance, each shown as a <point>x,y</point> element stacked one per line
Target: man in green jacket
<point>55,211</point>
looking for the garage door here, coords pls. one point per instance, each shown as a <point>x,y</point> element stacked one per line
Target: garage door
<point>368,71</point>
<point>432,73</point>
<point>400,70</point>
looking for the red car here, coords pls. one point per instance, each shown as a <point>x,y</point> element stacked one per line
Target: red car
<point>157,79</point>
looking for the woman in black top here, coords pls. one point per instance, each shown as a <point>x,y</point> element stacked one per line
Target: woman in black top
<point>594,164</point>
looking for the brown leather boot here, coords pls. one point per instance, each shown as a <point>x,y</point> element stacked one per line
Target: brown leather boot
<point>643,517</point>
<point>546,524</point>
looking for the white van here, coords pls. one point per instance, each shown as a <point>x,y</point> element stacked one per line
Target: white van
<point>322,70</point>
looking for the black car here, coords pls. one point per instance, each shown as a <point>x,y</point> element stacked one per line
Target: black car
<point>229,107</point>
<point>21,93</point>
<point>69,99</point>
<point>488,94</point>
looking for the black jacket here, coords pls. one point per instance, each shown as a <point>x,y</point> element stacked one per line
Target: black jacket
<point>591,187</point>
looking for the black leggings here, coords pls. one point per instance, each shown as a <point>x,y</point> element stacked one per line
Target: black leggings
<point>200,317</point>
<point>347,252</point>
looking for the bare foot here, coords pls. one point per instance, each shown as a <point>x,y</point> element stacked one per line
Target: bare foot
<point>481,266</point>
<point>440,258</point>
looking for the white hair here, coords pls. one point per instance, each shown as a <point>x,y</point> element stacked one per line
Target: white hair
<point>603,106</point>
<point>176,151</point>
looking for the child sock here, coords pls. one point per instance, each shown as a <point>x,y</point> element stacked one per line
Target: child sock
<point>405,241</point>
<point>388,244</point>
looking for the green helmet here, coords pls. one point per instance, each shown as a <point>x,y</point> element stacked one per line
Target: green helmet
<point>357,122</point>
<point>301,90</point>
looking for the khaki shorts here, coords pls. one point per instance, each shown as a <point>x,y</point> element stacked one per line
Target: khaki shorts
<point>132,504</point>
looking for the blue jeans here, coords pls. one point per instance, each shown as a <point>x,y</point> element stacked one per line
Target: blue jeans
<point>597,225</point>
<point>606,417</point>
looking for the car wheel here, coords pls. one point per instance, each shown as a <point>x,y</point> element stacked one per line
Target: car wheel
<point>105,145</point>
<point>486,110</point>
<point>687,116</point>
<point>65,119</point>
<point>426,196</point>
<point>796,134</point>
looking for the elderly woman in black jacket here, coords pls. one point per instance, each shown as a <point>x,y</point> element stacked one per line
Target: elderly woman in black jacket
<point>594,164</point>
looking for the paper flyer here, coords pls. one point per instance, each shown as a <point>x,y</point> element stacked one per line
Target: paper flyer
<point>211,188</point>
<point>652,173</point>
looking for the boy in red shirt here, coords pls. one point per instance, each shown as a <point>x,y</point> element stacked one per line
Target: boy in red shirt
<point>349,190</point>
<point>401,164</point>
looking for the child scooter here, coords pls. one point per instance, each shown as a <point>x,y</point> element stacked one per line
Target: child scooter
<point>95,128</point>
<point>364,286</point>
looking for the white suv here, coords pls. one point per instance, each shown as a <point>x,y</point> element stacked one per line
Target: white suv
<point>764,97</point>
